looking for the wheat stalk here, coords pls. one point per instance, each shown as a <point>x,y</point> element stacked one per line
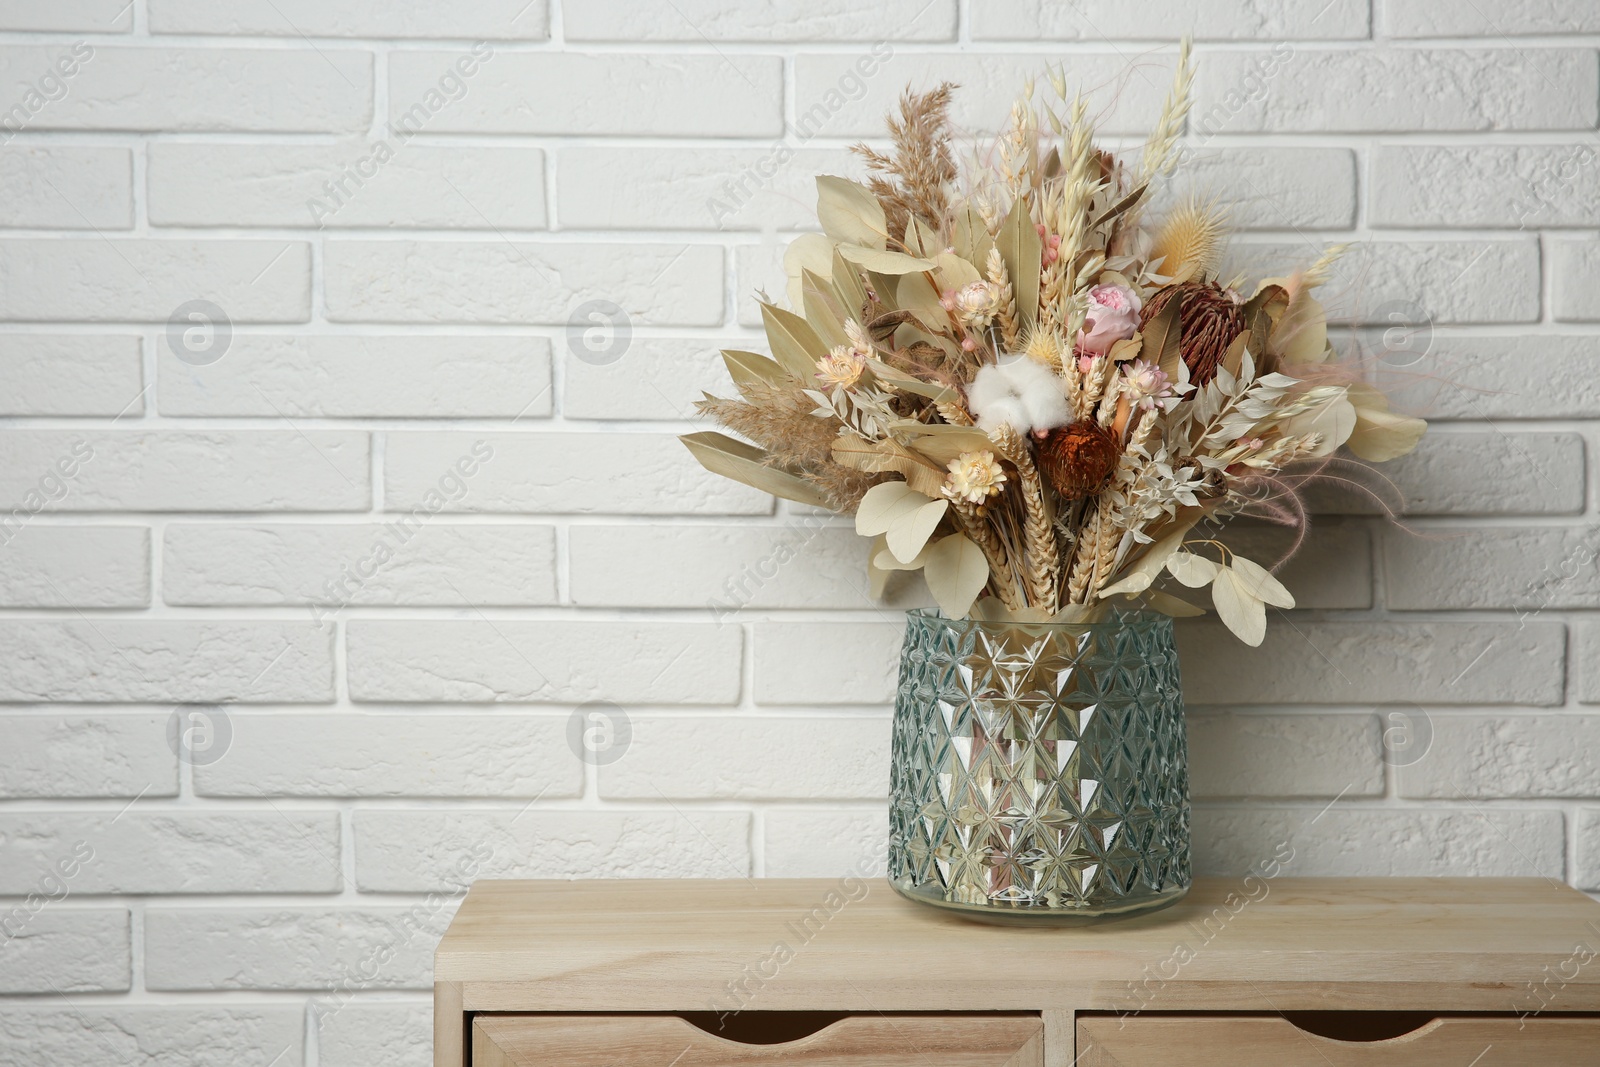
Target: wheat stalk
<point>1041,562</point>
<point>978,530</point>
<point>1001,280</point>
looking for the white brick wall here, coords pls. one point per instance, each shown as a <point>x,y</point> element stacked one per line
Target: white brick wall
<point>308,612</point>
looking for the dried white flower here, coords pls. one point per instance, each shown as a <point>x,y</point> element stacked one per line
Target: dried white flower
<point>974,477</point>
<point>841,367</point>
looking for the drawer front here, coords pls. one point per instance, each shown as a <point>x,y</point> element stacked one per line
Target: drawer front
<point>1270,1041</point>
<point>662,1040</point>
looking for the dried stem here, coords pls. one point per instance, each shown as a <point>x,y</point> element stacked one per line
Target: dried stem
<point>1041,562</point>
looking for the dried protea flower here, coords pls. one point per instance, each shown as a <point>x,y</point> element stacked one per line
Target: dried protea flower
<point>1078,460</point>
<point>1212,318</point>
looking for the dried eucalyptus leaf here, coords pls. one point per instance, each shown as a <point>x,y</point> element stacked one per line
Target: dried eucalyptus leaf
<point>956,571</point>
<point>1260,583</point>
<point>849,212</point>
<point>909,533</point>
<point>883,505</point>
<point>1240,612</point>
<point>1192,570</point>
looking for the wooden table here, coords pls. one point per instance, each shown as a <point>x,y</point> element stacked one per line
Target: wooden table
<point>1425,972</point>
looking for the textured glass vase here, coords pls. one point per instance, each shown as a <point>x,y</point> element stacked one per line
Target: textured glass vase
<point>1040,770</point>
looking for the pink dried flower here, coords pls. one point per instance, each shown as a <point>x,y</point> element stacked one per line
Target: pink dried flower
<point>1113,316</point>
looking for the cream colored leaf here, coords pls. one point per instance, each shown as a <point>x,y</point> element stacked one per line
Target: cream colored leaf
<point>1261,584</point>
<point>954,272</point>
<point>721,454</point>
<point>1335,421</point>
<point>1379,433</point>
<point>794,343</point>
<point>1240,612</point>
<point>849,212</point>
<point>882,262</point>
<point>1148,566</point>
<point>809,251</point>
<point>883,504</point>
<point>1301,335</point>
<point>1192,570</point>
<point>877,577</point>
<point>883,559</point>
<point>910,532</point>
<point>956,571</point>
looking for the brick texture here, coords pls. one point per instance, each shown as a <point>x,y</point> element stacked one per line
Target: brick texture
<point>345,348</point>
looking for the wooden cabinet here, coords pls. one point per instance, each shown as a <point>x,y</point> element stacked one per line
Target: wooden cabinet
<point>1247,972</point>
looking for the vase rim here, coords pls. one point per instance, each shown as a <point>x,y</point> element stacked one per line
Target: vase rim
<point>1117,619</point>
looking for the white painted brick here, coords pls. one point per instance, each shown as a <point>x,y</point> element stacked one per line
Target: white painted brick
<point>441,851</point>
<point>862,658</point>
<point>124,661</point>
<point>356,1034</point>
<point>362,183</point>
<point>471,19</point>
<point>386,376</point>
<point>1332,569</point>
<point>186,1035</point>
<point>1527,567</point>
<point>419,562</point>
<point>821,843</point>
<point>650,378</point>
<point>1466,281</point>
<point>56,950</point>
<point>98,280</point>
<point>698,21</point>
<point>1575,270</point>
<point>65,374</point>
<point>721,757</point>
<point>388,755</point>
<point>344,949</point>
<point>1270,188</point>
<point>677,95</point>
<point>772,187</point>
<point>1284,756</point>
<point>577,473</point>
<point>1362,841</point>
<point>1586,865</point>
<point>49,566</point>
<point>1480,378</point>
<point>1164,20</point>
<point>1375,662</point>
<point>1474,474</point>
<point>848,94</point>
<point>87,756</point>
<point>156,89</point>
<point>759,269</point>
<point>804,562</point>
<point>91,16</point>
<point>1525,186</point>
<point>66,188</point>
<point>174,851</point>
<point>542,662</point>
<point>501,281</point>
<point>1440,18</point>
<point>204,470</point>
<point>1494,756</point>
<point>1296,90</point>
<point>1586,659</point>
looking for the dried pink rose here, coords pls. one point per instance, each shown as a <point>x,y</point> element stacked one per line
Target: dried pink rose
<point>1113,316</point>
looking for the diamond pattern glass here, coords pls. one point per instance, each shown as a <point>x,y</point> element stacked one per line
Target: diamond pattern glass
<point>1040,770</point>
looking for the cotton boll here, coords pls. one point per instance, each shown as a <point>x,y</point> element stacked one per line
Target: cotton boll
<point>989,386</point>
<point>1040,392</point>
<point>1001,411</point>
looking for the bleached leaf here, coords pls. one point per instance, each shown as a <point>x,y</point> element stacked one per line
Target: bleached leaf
<point>809,251</point>
<point>1192,570</point>
<point>910,532</point>
<point>848,211</point>
<point>883,504</point>
<point>1149,564</point>
<point>881,262</point>
<point>721,454</point>
<point>1261,584</point>
<point>883,559</point>
<point>1240,612</point>
<point>956,571</point>
<point>954,272</point>
<point>1379,433</point>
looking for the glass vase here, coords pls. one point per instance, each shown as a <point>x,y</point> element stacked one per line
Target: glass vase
<point>1039,770</point>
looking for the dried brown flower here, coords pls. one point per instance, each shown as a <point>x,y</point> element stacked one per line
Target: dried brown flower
<point>914,182</point>
<point>1212,318</point>
<point>1078,460</point>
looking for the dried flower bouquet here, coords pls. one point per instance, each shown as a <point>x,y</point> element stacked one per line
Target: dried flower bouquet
<point>1030,394</point>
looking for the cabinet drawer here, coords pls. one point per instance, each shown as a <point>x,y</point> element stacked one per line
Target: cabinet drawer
<point>853,1041</point>
<point>1271,1041</point>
